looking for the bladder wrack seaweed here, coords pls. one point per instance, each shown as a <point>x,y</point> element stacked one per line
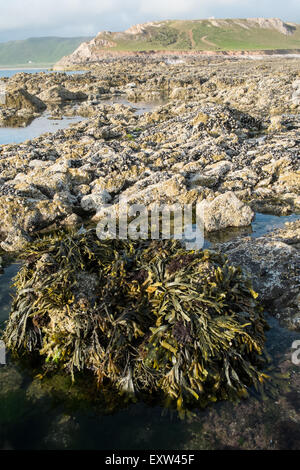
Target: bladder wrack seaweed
<point>145,316</point>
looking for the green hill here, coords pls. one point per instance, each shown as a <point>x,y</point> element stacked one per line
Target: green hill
<point>191,35</point>
<point>37,51</point>
<point>213,34</point>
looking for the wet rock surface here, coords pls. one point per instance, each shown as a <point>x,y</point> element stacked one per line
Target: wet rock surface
<point>273,261</point>
<point>226,210</point>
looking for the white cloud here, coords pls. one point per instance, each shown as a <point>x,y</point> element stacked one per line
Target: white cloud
<point>24,18</point>
<point>171,8</point>
<point>26,13</point>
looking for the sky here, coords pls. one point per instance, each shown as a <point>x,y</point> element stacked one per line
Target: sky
<point>20,19</point>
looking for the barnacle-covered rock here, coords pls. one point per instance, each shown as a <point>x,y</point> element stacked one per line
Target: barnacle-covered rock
<point>21,217</point>
<point>58,94</point>
<point>225,211</point>
<point>144,316</point>
<point>273,263</point>
<point>19,98</point>
<point>213,142</point>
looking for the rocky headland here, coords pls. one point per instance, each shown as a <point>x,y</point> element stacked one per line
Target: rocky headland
<point>243,37</point>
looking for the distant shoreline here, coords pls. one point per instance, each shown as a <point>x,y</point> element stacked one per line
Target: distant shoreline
<point>23,67</point>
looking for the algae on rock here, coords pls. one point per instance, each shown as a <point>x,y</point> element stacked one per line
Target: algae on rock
<point>145,316</point>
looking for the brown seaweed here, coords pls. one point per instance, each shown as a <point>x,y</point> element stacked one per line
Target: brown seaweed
<point>145,316</point>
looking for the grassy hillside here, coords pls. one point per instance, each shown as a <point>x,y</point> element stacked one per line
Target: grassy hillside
<point>200,35</point>
<point>37,51</point>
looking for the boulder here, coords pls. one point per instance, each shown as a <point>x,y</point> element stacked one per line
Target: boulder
<point>296,92</point>
<point>224,211</point>
<point>211,174</point>
<point>273,262</point>
<point>59,93</point>
<point>21,217</point>
<point>19,98</point>
<point>93,202</point>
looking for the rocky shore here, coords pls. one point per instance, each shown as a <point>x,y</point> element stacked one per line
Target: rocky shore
<point>273,262</point>
<point>222,134</point>
<point>225,136</point>
<point>83,54</point>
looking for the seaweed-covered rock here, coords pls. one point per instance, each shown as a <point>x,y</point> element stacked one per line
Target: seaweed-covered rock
<point>144,316</point>
<point>58,94</point>
<point>19,98</point>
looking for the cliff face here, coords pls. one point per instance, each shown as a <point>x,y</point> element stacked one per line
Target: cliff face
<point>275,24</point>
<point>195,36</point>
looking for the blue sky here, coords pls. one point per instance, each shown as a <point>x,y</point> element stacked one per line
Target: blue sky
<point>20,19</point>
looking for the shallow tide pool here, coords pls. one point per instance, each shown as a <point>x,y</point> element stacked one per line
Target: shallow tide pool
<point>53,413</point>
<point>40,125</point>
<point>11,72</point>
